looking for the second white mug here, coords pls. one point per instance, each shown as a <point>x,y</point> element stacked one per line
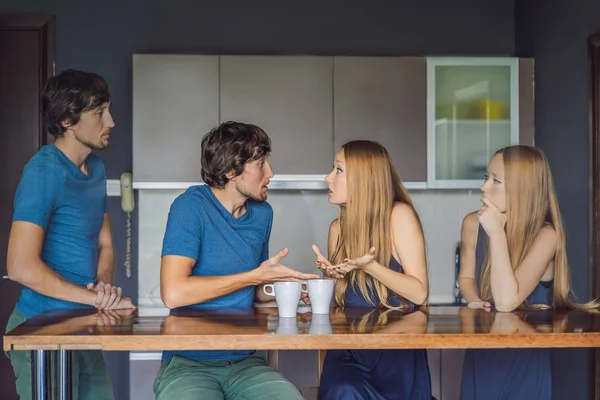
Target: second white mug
<point>320,293</point>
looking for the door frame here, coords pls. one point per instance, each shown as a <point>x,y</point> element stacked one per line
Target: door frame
<point>594,173</point>
<point>44,25</point>
<point>40,26</point>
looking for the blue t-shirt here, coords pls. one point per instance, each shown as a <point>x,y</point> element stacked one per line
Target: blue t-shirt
<point>201,228</point>
<point>69,205</point>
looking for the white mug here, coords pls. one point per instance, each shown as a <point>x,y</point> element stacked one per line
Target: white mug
<point>320,293</point>
<point>287,296</point>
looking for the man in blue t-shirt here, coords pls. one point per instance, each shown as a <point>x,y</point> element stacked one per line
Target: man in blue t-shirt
<point>60,247</point>
<point>216,255</point>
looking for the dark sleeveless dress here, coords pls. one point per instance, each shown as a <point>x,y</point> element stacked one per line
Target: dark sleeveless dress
<point>375,374</point>
<point>508,373</point>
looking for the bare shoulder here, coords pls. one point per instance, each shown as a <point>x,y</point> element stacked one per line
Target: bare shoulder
<point>334,225</point>
<point>547,236</point>
<point>403,212</point>
<point>469,230</point>
<point>470,225</point>
<point>405,220</point>
<point>334,234</point>
<point>334,231</point>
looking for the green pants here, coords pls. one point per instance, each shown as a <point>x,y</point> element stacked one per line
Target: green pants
<point>184,379</point>
<point>90,376</point>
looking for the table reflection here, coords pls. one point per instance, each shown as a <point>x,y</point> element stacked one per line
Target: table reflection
<point>264,320</point>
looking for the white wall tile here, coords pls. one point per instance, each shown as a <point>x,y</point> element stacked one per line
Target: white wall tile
<point>441,213</point>
<point>154,208</point>
<point>301,218</point>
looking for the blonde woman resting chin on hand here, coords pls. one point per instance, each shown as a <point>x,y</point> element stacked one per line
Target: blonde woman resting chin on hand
<point>513,255</point>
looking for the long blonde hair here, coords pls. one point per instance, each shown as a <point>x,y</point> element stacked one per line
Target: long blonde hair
<point>530,205</point>
<point>373,187</point>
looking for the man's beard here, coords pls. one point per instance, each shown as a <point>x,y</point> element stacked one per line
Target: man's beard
<point>94,146</point>
<point>244,192</point>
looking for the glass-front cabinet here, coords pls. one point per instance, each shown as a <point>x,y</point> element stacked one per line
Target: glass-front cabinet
<point>472,112</point>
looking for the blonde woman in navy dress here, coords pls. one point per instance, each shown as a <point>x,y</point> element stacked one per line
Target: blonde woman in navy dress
<point>377,253</point>
<point>514,256</point>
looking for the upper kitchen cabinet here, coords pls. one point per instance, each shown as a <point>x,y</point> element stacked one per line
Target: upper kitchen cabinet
<point>291,98</point>
<point>384,99</point>
<point>175,102</point>
<point>475,107</point>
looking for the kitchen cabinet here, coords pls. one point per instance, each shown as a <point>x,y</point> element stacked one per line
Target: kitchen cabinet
<point>475,106</point>
<point>441,118</point>
<point>175,102</point>
<point>384,99</point>
<point>291,98</point>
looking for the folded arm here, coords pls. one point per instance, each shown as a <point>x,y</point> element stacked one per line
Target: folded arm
<point>511,287</point>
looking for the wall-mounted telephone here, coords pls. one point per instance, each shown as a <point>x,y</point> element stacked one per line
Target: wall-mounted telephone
<point>128,204</point>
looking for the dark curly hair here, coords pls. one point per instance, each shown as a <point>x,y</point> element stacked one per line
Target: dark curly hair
<point>228,148</point>
<point>70,93</point>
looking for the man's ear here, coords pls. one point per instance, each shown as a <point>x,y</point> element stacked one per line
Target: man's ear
<point>230,175</point>
<point>65,124</point>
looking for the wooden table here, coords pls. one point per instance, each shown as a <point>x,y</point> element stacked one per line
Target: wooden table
<point>261,329</point>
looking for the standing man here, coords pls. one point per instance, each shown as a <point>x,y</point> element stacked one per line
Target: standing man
<point>60,246</point>
<point>216,255</point>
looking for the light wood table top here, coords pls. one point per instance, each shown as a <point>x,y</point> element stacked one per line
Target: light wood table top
<point>261,329</point>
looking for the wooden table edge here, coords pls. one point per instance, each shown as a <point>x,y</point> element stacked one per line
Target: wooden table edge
<point>302,342</point>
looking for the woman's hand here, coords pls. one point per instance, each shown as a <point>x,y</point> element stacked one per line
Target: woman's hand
<point>324,265</point>
<point>353,263</point>
<point>491,218</point>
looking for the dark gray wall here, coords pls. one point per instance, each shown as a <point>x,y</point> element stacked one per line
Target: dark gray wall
<point>102,36</point>
<point>555,33</point>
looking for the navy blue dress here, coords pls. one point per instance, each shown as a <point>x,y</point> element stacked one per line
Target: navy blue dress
<point>375,374</point>
<point>508,373</point>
